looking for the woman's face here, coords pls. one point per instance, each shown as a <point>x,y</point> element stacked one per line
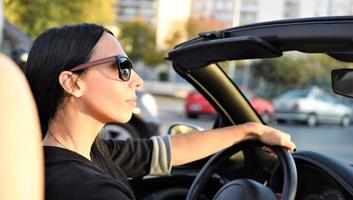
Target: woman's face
<point>106,97</point>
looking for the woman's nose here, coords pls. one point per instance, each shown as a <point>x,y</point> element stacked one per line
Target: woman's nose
<point>136,80</point>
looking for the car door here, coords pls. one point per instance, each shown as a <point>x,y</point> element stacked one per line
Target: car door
<point>329,110</point>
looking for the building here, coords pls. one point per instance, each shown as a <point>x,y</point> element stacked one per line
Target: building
<point>234,12</point>
<point>308,8</point>
<point>171,17</point>
<point>165,15</point>
<point>129,10</point>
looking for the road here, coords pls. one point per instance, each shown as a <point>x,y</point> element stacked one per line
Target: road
<point>327,139</point>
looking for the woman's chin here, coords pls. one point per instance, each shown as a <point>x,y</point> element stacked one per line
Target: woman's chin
<point>121,119</point>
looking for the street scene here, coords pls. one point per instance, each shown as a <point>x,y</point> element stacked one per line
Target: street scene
<point>323,138</point>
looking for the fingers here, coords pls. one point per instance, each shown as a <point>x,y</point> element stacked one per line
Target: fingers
<point>293,147</point>
<point>278,137</point>
<point>272,136</point>
<point>288,143</point>
<point>286,140</point>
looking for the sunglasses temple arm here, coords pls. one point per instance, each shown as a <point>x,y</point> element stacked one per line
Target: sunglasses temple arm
<point>90,64</point>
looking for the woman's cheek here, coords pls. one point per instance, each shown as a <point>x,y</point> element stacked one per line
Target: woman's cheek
<point>114,105</point>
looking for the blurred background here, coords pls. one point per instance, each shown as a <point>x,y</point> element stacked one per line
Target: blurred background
<point>148,29</point>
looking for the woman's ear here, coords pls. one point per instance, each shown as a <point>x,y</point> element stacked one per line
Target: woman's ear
<point>71,83</point>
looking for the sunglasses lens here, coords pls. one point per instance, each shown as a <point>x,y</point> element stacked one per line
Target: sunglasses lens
<point>124,66</point>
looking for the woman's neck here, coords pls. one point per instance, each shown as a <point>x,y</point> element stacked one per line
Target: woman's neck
<point>73,130</point>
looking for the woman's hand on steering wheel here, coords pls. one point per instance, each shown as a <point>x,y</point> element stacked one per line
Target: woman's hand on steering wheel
<point>271,136</point>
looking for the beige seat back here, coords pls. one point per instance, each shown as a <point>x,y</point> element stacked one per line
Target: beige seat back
<point>21,153</point>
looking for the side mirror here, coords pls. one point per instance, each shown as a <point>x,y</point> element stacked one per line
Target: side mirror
<point>177,129</point>
<point>342,81</point>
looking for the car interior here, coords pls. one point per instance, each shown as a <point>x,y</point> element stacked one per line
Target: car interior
<point>317,176</point>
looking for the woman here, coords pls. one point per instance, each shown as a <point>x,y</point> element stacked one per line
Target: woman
<point>82,79</point>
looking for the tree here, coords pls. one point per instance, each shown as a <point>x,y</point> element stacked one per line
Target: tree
<point>175,38</point>
<point>296,71</point>
<point>151,56</point>
<point>139,42</point>
<point>191,29</point>
<point>284,71</point>
<point>36,16</point>
<point>195,26</point>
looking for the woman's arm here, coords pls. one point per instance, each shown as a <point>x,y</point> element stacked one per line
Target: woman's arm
<point>21,155</point>
<point>189,147</point>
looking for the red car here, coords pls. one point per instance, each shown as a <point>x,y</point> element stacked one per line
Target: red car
<point>196,104</point>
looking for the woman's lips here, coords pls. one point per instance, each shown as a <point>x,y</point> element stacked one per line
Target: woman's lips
<point>132,102</point>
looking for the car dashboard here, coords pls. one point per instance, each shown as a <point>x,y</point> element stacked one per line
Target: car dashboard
<point>319,178</point>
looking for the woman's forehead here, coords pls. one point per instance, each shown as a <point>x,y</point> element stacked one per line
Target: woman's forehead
<point>107,46</point>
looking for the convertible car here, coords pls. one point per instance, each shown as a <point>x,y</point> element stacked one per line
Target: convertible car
<point>245,171</point>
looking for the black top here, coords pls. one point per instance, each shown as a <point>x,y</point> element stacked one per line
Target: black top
<point>68,175</point>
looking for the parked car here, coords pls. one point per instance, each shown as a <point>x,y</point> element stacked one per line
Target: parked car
<point>262,106</point>
<point>347,101</point>
<point>144,122</point>
<point>15,44</point>
<point>312,106</point>
<point>195,104</point>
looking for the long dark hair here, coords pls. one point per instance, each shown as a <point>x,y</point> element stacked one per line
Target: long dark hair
<point>54,51</point>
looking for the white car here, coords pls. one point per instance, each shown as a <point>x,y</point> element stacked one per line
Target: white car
<point>312,106</point>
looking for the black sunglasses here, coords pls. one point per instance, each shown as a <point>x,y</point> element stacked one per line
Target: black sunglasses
<point>122,64</point>
<point>342,81</point>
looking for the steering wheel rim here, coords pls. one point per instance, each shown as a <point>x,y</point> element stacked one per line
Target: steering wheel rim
<point>286,162</point>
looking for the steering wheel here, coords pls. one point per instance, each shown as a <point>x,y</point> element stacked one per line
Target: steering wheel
<point>246,189</point>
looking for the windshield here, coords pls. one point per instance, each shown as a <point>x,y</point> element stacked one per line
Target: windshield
<point>298,88</point>
<point>292,93</point>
